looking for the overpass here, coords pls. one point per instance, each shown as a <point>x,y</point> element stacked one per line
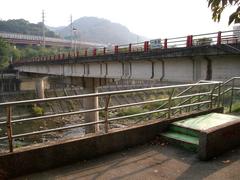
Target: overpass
<point>212,56</point>
<point>23,39</point>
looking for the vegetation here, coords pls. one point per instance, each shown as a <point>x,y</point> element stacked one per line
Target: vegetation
<point>236,107</point>
<point>38,51</point>
<point>37,111</point>
<point>24,27</point>
<point>7,52</point>
<point>218,6</point>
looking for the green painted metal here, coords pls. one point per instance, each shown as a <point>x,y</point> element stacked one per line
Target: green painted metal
<point>181,137</point>
<point>184,130</point>
<point>205,122</point>
<point>183,140</point>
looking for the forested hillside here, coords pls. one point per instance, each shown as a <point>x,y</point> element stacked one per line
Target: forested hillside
<point>24,27</point>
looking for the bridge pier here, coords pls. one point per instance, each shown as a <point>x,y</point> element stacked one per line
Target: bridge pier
<point>91,85</point>
<point>39,86</point>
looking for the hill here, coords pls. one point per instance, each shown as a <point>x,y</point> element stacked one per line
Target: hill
<point>24,27</point>
<point>98,30</point>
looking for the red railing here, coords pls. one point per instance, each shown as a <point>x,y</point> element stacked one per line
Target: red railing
<point>216,38</point>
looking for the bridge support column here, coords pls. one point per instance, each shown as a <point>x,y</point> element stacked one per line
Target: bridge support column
<point>91,85</point>
<point>39,85</point>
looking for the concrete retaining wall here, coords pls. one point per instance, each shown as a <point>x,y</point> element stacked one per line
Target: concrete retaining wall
<point>39,158</point>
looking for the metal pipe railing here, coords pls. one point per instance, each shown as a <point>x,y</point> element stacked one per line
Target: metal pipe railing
<point>100,94</point>
<point>214,86</point>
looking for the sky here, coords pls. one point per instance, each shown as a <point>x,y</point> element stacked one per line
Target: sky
<point>149,18</point>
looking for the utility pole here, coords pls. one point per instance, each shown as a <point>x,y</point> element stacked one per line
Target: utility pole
<point>43,28</point>
<point>71,24</point>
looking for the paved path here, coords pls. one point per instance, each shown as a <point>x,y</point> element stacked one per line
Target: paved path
<point>149,162</point>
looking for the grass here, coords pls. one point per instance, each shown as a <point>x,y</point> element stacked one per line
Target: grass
<point>236,107</point>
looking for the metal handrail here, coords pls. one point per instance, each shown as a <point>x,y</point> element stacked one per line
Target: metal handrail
<point>10,135</point>
<point>100,94</point>
<point>217,86</point>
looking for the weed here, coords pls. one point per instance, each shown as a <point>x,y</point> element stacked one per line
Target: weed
<point>37,111</point>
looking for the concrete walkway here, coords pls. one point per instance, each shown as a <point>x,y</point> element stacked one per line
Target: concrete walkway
<point>158,161</point>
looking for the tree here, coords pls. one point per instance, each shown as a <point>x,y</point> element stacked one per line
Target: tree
<point>7,52</point>
<point>217,7</point>
<point>4,52</point>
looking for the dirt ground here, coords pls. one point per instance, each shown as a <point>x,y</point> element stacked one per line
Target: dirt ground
<point>147,162</point>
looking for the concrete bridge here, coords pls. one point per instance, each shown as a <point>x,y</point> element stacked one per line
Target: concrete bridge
<point>213,56</point>
<point>23,39</point>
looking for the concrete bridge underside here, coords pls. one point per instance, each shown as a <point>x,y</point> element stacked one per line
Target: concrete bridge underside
<point>181,69</point>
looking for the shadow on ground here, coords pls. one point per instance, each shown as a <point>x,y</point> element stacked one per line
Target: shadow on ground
<point>159,161</point>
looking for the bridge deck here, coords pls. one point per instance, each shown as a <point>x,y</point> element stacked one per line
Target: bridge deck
<point>157,161</point>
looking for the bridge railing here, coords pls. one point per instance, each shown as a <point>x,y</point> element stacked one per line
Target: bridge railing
<point>204,90</point>
<point>208,39</point>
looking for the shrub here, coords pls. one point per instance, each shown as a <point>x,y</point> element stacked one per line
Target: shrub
<point>37,111</point>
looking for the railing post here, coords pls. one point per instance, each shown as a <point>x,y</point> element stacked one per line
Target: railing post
<point>146,46</point>
<point>219,94</point>
<point>9,127</point>
<point>190,42</point>
<point>108,98</point>
<point>165,44</point>
<point>211,97</point>
<point>104,50</point>
<point>170,103</point>
<point>129,48</point>
<point>219,38</point>
<point>232,93</point>
<point>94,52</point>
<point>116,49</point>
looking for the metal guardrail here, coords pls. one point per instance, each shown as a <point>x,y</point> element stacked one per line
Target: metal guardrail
<point>107,108</point>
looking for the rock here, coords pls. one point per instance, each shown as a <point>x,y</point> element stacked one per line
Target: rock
<point>226,161</point>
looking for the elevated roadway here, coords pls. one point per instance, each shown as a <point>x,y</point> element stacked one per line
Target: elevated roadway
<point>23,39</point>
<point>213,56</point>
